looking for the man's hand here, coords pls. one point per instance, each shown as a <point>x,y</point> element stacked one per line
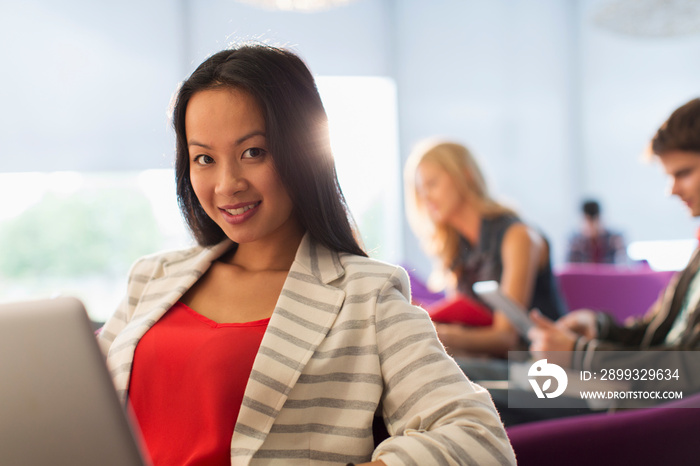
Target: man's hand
<point>582,322</point>
<point>550,341</point>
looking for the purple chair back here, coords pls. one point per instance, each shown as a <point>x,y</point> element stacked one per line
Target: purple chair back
<point>420,294</point>
<point>662,435</point>
<point>623,292</point>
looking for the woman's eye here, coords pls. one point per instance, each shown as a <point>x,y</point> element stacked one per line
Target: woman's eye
<point>253,153</point>
<point>203,160</point>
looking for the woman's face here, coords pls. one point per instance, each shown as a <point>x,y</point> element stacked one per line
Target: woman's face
<point>437,192</point>
<point>231,170</point>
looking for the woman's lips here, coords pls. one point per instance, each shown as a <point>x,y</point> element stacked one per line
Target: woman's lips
<point>239,213</point>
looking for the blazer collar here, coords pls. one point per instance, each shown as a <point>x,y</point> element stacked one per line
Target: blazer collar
<point>197,258</point>
<point>305,311</point>
<point>181,271</point>
<point>315,258</point>
<point>179,274</point>
<point>673,299</point>
<point>320,261</point>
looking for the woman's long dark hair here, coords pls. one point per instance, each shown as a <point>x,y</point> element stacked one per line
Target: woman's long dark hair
<point>296,129</point>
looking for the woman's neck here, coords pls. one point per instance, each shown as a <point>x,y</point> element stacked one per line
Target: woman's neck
<point>277,255</point>
<point>467,222</point>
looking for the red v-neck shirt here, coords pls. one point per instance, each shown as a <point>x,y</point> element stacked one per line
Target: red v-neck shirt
<point>187,383</point>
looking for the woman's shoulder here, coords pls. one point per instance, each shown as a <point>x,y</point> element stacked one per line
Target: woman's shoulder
<point>502,221</point>
<point>380,273</point>
<point>354,263</point>
<point>514,226</point>
<point>175,256</point>
<point>495,228</point>
<point>170,255</point>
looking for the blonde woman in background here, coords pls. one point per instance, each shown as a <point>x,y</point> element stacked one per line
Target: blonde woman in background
<point>474,238</point>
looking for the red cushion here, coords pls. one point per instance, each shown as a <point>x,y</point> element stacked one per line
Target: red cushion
<point>461,310</point>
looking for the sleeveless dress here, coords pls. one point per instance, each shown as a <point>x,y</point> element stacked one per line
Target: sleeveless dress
<point>483,261</point>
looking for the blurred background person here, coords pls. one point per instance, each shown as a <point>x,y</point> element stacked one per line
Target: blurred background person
<point>594,243</point>
<point>474,238</point>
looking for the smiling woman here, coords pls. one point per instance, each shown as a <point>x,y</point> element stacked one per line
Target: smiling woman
<point>276,338</point>
<point>232,173</point>
<point>234,178</point>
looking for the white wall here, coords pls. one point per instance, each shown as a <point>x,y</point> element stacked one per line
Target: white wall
<point>85,85</point>
<point>352,40</point>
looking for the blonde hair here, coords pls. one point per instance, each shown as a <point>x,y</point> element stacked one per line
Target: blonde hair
<point>442,240</point>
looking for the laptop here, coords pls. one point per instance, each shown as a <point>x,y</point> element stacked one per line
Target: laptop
<point>58,404</point>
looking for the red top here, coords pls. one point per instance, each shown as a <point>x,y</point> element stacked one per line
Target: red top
<point>187,383</point>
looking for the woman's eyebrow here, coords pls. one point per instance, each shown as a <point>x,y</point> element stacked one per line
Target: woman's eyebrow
<point>250,135</point>
<point>197,143</point>
<point>242,139</point>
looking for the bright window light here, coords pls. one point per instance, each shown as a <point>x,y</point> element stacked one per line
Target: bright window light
<point>663,255</point>
<point>362,114</point>
<point>70,233</point>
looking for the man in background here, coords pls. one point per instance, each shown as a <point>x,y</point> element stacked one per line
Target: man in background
<point>594,243</point>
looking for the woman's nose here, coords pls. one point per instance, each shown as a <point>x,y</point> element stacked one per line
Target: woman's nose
<point>231,181</point>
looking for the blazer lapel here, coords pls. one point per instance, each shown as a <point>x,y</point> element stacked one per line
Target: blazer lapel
<point>159,295</point>
<point>671,306</point>
<point>305,311</point>
<point>694,317</point>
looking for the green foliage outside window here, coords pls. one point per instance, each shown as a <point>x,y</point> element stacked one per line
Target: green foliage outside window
<point>78,235</point>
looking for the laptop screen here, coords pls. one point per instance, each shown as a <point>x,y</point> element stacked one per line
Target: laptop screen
<point>58,404</point>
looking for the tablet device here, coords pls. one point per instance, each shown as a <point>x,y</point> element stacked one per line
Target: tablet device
<point>491,293</point>
<point>58,404</point>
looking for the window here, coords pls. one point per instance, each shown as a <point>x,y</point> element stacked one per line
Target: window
<point>78,233</point>
<point>363,122</point>
<point>663,254</point>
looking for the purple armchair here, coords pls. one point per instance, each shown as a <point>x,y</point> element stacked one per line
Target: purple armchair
<point>623,292</point>
<point>420,294</point>
<point>662,435</point>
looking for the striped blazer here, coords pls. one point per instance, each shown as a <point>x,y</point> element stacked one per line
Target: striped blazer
<point>343,343</point>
